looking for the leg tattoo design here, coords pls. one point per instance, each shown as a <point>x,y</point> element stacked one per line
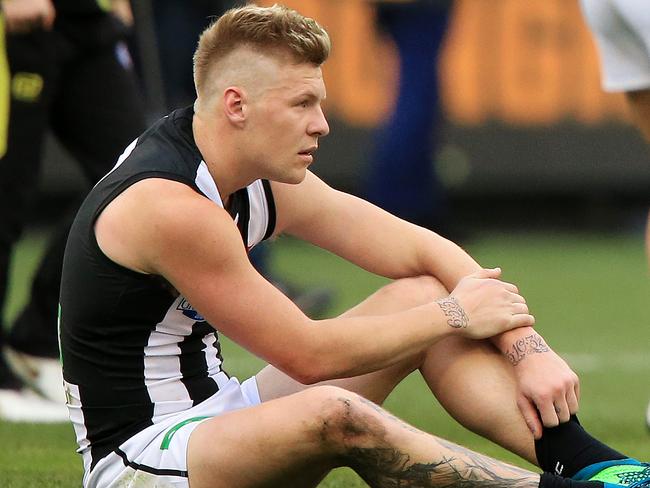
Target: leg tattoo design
<point>383,464</point>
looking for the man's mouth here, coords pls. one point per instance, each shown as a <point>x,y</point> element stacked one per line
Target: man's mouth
<point>309,151</point>
<point>307,155</point>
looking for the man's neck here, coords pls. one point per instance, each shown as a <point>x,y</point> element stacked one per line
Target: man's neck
<point>220,156</point>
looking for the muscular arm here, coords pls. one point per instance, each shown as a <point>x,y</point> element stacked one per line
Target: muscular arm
<point>378,242</point>
<point>367,235</point>
<point>386,245</point>
<point>196,246</point>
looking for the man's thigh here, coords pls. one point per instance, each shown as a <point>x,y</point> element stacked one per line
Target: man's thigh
<point>98,110</point>
<point>280,443</point>
<point>376,386</point>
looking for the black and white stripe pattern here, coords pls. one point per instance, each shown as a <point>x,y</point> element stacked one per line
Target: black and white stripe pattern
<point>134,351</point>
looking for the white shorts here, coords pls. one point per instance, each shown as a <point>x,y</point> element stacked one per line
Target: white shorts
<point>156,456</point>
<point>622,32</point>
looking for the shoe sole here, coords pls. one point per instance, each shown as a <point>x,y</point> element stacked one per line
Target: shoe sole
<point>42,375</point>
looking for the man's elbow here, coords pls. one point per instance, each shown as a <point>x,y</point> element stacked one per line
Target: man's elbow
<point>310,369</point>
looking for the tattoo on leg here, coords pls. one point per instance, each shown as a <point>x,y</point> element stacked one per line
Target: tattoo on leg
<point>383,465</point>
<point>456,316</point>
<point>386,414</point>
<point>532,344</point>
<point>391,468</point>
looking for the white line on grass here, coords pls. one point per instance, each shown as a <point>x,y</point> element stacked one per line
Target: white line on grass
<point>618,361</point>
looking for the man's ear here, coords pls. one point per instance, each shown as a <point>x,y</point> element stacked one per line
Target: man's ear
<point>234,103</point>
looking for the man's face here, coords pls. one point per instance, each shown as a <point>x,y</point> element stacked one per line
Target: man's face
<point>285,120</point>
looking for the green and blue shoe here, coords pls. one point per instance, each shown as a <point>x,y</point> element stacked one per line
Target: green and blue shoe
<point>620,472</point>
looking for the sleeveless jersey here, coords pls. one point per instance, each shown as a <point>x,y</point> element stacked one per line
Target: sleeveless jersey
<point>133,349</point>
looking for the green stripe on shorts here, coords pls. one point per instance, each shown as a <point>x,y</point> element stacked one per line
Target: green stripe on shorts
<point>170,433</point>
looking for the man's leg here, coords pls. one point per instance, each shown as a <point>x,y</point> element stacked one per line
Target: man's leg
<point>33,76</point>
<point>640,104</point>
<point>295,440</point>
<point>470,379</point>
<point>81,116</point>
<point>376,386</point>
<point>457,371</point>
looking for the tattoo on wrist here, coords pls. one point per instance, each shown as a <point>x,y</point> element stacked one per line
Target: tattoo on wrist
<point>456,316</point>
<point>532,344</point>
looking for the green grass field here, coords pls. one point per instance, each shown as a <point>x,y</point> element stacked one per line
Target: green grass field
<point>589,293</point>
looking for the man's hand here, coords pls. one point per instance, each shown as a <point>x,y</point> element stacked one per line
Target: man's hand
<point>547,385</point>
<point>122,10</point>
<point>482,306</point>
<point>22,16</point>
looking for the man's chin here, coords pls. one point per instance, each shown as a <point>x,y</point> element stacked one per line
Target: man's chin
<point>294,177</point>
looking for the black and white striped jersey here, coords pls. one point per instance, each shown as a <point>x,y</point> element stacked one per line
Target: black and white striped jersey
<point>133,349</point>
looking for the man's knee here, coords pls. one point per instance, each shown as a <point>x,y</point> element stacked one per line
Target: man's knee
<point>345,419</point>
<point>415,291</point>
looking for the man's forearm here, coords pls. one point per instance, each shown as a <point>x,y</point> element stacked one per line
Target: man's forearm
<point>445,260</point>
<point>517,344</point>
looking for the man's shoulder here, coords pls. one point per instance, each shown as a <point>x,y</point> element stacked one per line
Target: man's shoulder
<point>155,217</point>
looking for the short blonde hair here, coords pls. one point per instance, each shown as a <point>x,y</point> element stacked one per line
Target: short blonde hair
<point>275,29</point>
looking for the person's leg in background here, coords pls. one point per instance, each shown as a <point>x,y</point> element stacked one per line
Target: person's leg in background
<point>178,25</point>
<point>639,101</point>
<point>97,112</point>
<point>33,80</point>
<point>401,176</point>
<point>621,29</point>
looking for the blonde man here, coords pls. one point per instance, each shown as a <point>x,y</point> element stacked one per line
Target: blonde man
<point>156,263</point>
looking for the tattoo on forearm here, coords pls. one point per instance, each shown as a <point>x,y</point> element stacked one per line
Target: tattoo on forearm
<point>532,344</point>
<point>456,316</point>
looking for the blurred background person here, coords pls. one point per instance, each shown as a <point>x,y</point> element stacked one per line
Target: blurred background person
<point>177,26</point>
<point>401,175</point>
<point>69,73</point>
<point>621,29</point>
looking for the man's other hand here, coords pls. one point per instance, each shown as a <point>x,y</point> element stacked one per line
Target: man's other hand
<point>23,16</point>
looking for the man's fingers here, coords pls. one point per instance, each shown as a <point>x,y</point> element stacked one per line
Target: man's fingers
<point>572,401</point>
<point>48,17</point>
<point>562,409</point>
<point>522,320</point>
<point>530,415</point>
<point>548,412</point>
<point>519,308</point>
<point>517,298</point>
<point>511,288</point>
<point>47,20</point>
<point>487,273</point>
